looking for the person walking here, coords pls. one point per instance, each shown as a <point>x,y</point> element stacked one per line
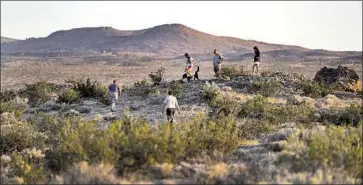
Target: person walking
<point>114,92</point>
<point>190,64</point>
<point>170,103</point>
<point>217,62</point>
<point>256,60</point>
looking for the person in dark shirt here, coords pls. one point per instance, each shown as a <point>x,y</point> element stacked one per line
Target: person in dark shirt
<point>256,59</point>
<point>114,92</point>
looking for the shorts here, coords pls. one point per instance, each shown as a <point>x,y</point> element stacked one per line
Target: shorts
<point>257,63</point>
<point>170,113</point>
<point>216,67</point>
<point>113,96</point>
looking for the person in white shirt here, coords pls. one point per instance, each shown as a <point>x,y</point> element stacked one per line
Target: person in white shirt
<point>170,103</point>
<point>217,62</point>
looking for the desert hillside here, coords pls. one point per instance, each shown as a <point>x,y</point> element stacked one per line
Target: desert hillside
<point>7,40</point>
<point>169,40</point>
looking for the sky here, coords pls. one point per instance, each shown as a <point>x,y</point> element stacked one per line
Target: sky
<point>334,25</point>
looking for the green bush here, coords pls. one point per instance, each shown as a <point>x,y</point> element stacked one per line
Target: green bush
<point>28,166</point>
<point>145,147</point>
<point>133,144</point>
<point>88,88</point>
<point>177,89</point>
<point>334,147</point>
<point>210,91</point>
<point>348,116</point>
<point>39,92</point>
<point>141,88</point>
<point>256,106</point>
<point>142,83</point>
<point>232,72</point>
<point>351,116</point>
<point>157,77</point>
<point>52,126</point>
<point>224,106</point>
<point>315,90</point>
<point>7,95</point>
<point>253,129</point>
<point>266,88</point>
<point>69,96</point>
<point>260,108</point>
<point>19,136</point>
<point>210,135</point>
<point>17,108</point>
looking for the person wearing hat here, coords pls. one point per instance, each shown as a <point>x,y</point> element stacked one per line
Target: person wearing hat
<point>256,59</point>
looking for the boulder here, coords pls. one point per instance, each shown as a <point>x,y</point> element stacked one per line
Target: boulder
<point>343,77</point>
<point>72,112</point>
<point>84,109</point>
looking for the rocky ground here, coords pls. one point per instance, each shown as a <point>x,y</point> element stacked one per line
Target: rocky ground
<point>261,153</point>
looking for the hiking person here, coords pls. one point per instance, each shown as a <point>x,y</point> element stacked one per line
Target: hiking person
<point>190,63</point>
<point>256,59</point>
<point>170,103</point>
<point>217,62</point>
<point>114,92</point>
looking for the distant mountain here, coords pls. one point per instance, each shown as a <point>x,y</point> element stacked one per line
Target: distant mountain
<point>164,40</point>
<point>7,40</point>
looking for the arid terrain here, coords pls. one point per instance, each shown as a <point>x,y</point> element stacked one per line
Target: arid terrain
<point>279,126</point>
<point>105,53</point>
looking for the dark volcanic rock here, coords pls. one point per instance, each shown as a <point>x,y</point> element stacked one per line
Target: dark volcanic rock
<point>341,76</point>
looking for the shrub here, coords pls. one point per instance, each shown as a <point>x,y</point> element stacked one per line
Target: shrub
<point>133,144</point>
<point>157,77</point>
<point>333,146</point>
<point>254,107</point>
<point>83,173</point>
<point>141,88</point>
<point>210,91</point>
<point>142,83</point>
<point>88,88</point>
<point>28,166</point>
<point>145,147</point>
<point>177,89</point>
<point>19,136</point>
<point>13,107</point>
<point>225,106</point>
<point>266,73</point>
<point>69,96</point>
<point>266,88</point>
<point>315,90</point>
<point>253,129</point>
<point>260,108</point>
<point>7,95</point>
<point>232,72</point>
<point>210,135</point>
<point>349,116</point>
<point>39,92</point>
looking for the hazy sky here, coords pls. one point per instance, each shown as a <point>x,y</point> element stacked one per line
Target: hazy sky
<point>316,25</point>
